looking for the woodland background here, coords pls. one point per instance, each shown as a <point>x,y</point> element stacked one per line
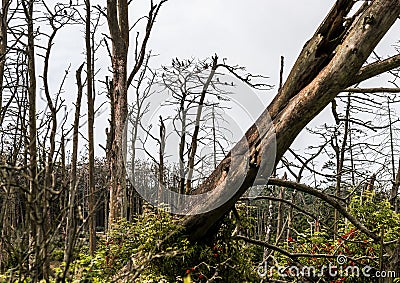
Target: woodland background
<point>71,214</point>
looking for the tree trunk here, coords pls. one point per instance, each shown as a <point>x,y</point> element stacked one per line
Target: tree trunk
<point>34,208</point>
<point>182,143</point>
<point>395,191</point>
<point>3,46</point>
<point>395,176</point>
<point>193,144</point>
<point>117,17</point>
<point>279,224</point>
<point>394,261</point>
<point>90,101</point>
<point>118,24</point>
<point>71,222</point>
<point>340,154</point>
<point>161,169</point>
<point>329,63</point>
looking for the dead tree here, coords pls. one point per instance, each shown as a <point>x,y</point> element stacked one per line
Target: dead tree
<point>34,214</point>
<point>90,102</point>
<point>194,87</point>
<point>143,90</point>
<point>330,62</point>
<point>71,224</point>
<point>340,151</point>
<point>118,24</point>
<point>194,141</point>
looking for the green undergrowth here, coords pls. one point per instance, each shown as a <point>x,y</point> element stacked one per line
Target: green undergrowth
<point>154,248</point>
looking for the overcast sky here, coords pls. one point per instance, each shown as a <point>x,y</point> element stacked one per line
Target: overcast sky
<point>251,33</point>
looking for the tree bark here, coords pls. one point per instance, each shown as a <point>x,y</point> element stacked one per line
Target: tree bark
<point>118,24</point>
<point>117,17</point>
<point>394,261</point>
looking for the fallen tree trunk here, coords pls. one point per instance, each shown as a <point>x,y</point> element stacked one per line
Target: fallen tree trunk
<point>331,61</point>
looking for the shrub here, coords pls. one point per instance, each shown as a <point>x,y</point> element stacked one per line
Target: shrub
<point>155,247</point>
